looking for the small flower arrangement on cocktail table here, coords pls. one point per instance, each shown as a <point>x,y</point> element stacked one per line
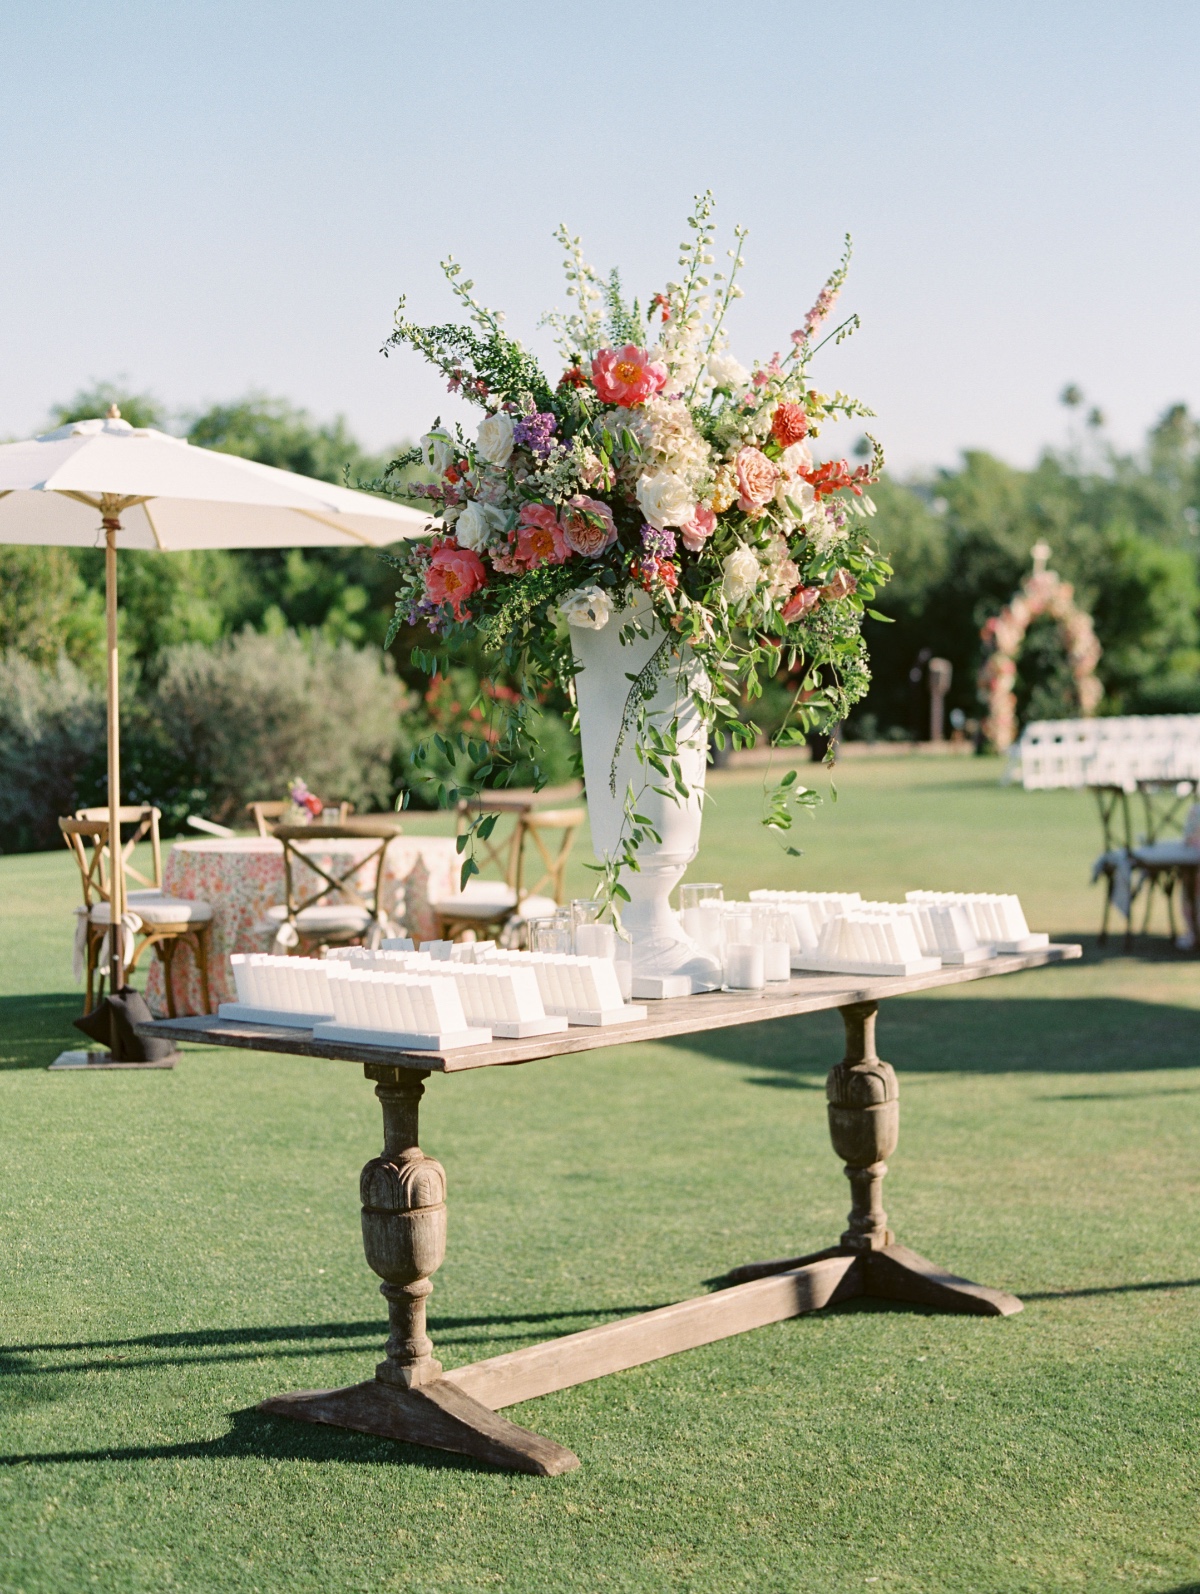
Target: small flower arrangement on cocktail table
<point>304,807</point>
<point>659,487</point>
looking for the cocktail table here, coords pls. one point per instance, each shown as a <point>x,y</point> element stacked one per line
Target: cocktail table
<point>403,1196</point>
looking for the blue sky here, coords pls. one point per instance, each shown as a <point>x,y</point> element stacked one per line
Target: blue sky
<point>209,198</point>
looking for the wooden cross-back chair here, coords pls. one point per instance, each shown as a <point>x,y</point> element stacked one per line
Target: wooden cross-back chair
<point>489,899</point>
<point>144,819</point>
<point>539,828</point>
<point>341,910</point>
<point>1116,824</point>
<point>165,920</point>
<point>1165,806</point>
<point>266,814</point>
<point>488,907</point>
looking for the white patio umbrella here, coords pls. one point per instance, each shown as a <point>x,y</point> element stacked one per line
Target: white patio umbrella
<point>149,490</point>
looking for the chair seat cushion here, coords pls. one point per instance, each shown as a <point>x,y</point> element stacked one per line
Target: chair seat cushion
<point>479,899</point>
<point>332,918</point>
<point>153,907</point>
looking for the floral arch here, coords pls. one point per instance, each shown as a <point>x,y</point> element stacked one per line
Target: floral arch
<point>1042,592</point>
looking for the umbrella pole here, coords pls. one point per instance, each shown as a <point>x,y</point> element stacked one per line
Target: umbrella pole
<point>115,860</point>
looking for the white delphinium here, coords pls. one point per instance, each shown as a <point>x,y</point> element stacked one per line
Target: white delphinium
<point>741,574</point>
<point>726,372</point>
<point>825,528</point>
<point>494,439</point>
<point>589,607</point>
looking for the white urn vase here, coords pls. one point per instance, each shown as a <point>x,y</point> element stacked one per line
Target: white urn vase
<point>666,961</point>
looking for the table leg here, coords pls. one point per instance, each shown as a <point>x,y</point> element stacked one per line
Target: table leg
<point>864,1125</point>
<point>404,1235</point>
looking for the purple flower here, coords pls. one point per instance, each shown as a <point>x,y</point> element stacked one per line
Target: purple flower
<point>534,433</point>
<point>658,544</point>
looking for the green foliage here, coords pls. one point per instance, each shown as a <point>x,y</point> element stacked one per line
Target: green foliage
<point>51,727</point>
<point>47,609</point>
<point>1121,529</point>
<point>248,714</point>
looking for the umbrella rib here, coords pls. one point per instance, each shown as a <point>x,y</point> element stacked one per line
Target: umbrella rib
<point>327,520</point>
<point>150,522</point>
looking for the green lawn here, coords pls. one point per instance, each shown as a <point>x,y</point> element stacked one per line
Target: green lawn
<point>180,1245</point>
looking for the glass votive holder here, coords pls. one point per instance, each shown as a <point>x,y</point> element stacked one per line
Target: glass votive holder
<point>596,940</point>
<point>585,910</point>
<point>549,935</point>
<point>744,966</point>
<point>693,893</point>
<point>775,933</point>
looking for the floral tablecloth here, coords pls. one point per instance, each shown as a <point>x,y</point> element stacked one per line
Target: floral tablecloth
<point>242,877</point>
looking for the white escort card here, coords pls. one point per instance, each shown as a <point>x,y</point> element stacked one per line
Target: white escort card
<point>583,990</point>
<point>997,920</point>
<point>415,1011</point>
<point>506,1000</point>
<point>293,992</point>
<point>870,938</point>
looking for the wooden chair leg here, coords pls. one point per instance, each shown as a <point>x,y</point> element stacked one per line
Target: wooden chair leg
<point>166,951</point>
<point>202,964</point>
<point>1102,938</point>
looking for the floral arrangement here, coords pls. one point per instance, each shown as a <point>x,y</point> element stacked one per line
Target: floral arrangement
<point>1042,592</point>
<point>305,806</point>
<point>656,463</point>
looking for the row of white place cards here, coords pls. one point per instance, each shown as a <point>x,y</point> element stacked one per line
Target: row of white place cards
<point>422,1002</point>
<point>997,920</point>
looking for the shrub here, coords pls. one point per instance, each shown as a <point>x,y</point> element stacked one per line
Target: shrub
<point>51,728</point>
<point>248,714</point>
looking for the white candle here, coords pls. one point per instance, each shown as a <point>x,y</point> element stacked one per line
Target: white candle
<point>743,966</point>
<point>777,961</point>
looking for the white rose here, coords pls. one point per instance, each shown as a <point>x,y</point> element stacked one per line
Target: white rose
<point>442,447</point>
<point>475,525</point>
<point>590,607</point>
<point>665,500</point>
<point>796,497</point>
<point>727,372</point>
<point>494,440</point>
<point>795,458</point>
<point>741,574</point>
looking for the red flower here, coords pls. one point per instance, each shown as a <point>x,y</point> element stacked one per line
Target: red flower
<point>627,376</point>
<point>800,602</point>
<point>573,377</point>
<point>831,477</point>
<point>662,303</point>
<point>539,537</point>
<point>454,574</point>
<point>652,572</point>
<point>789,424</point>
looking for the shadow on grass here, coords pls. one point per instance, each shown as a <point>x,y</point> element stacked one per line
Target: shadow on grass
<point>255,1436</point>
<point>971,1035</point>
<point>34,1029</point>
<point>13,1362</point>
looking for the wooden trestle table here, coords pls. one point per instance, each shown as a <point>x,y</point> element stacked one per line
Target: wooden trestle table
<point>404,1221</point>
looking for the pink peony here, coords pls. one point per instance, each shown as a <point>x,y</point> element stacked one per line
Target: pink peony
<point>539,537</point>
<point>698,529</point>
<point>588,526</point>
<point>799,604</point>
<point>454,573</point>
<point>756,478</point>
<point>841,585</point>
<point>627,376</point>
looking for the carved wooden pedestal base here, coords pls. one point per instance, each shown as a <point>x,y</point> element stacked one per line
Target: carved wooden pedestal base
<point>864,1125</point>
<point>404,1235</point>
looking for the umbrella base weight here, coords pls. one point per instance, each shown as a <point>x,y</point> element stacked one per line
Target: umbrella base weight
<point>77,1060</point>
